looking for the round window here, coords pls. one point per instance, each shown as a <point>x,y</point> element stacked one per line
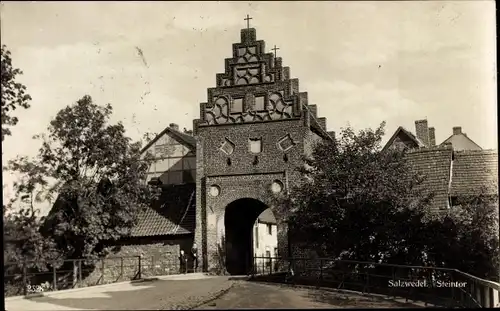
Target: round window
<point>214,190</point>
<point>277,186</point>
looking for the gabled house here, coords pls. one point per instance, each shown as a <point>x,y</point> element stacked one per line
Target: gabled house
<point>460,141</point>
<point>403,138</point>
<point>167,226</point>
<point>456,168</point>
<point>266,237</point>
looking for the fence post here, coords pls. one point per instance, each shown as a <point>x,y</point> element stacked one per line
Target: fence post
<point>102,270</point>
<point>80,272</point>
<point>153,265</point>
<point>54,276</point>
<point>321,269</point>
<point>121,267</point>
<point>394,279</point>
<point>253,265</point>
<point>479,296</point>
<point>368,282</point>
<point>270,265</point>
<point>140,267</point>
<point>25,279</point>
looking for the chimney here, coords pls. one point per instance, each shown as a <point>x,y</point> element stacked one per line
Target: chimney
<point>432,137</point>
<point>174,126</point>
<point>422,129</point>
<point>457,130</point>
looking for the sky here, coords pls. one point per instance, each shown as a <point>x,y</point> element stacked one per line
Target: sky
<point>360,62</point>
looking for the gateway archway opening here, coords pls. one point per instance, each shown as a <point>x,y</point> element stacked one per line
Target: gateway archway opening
<point>250,229</point>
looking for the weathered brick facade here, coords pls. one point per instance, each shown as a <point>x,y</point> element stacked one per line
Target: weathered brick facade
<point>255,99</point>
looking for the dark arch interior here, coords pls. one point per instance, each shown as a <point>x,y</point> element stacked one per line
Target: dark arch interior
<point>239,219</point>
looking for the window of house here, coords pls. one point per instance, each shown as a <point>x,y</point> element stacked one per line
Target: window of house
<point>175,177</point>
<point>257,236</point>
<point>275,251</point>
<point>454,202</point>
<point>269,229</point>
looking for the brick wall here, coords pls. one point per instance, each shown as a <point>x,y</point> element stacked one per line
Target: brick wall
<point>159,257</point>
<point>243,178</point>
<point>231,112</point>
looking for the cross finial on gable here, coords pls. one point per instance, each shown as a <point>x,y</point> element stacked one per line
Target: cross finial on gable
<point>275,49</point>
<point>248,18</point>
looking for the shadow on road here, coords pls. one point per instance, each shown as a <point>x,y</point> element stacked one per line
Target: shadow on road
<point>150,294</point>
<point>348,300</point>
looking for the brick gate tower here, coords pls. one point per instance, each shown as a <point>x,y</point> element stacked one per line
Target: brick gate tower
<point>251,136</point>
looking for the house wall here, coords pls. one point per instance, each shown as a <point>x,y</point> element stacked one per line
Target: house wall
<point>173,162</point>
<point>265,241</point>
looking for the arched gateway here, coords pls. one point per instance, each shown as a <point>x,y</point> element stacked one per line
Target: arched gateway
<point>239,221</point>
<point>251,136</point>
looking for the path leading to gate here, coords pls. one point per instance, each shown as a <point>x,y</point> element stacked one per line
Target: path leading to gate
<point>244,295</point>
<point>198,292</point>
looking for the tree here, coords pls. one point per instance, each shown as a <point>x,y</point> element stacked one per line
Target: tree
<point>95,173</point>
<point>354,201</point>
<point>469,234</point>
<point>357,202</point>
<point>13,93</point>
<point>25,248</point>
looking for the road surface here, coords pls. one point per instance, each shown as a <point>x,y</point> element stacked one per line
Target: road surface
<point>243,295</point>
<point>162,294</point>
<point>195,292</point>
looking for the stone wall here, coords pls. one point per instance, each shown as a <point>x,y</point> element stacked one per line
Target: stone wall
<point>159,256</point>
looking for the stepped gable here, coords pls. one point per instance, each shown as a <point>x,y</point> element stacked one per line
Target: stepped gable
<point>255,87</point>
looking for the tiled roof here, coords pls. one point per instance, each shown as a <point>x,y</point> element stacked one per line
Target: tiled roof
<point>408,134</point>
<point>434,164</point>
<point>173,214</point>
<point>267,217</point>
<point>188,139</point>
<point>473,169</point>
<point>185,139</point>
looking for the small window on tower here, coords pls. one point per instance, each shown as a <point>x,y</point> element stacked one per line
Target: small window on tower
<point>237,105</point>
<point>255,145</point>
<point>259,103</point>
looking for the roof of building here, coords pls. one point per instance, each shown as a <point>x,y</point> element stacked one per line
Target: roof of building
<point>460,141</point>
<point>435,165</point>
<point>173,214</point>
<point>473,169</point>
<point>455,173</point>
<point>185,139</point>
<point>267,217</point>
<point>402,131</point>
